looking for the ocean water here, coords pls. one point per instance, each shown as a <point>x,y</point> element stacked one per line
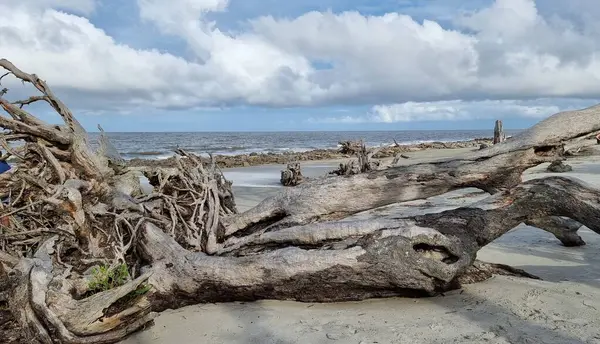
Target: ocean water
<point>161,145</point>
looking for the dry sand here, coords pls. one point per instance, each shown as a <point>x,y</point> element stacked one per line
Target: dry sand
<point>563,308</point>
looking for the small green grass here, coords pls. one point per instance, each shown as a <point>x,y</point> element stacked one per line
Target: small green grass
<point>106,278</point>
<point>141,290</point>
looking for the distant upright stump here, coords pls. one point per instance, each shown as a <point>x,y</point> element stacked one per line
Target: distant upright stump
<point>499,135</point>
<point>292,175</point>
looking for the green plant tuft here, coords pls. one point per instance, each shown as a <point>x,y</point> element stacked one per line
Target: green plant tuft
<point>105,278</point>
<point>141,290</point>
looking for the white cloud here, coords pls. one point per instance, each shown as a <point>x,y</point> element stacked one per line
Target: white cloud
<point>74,56</point>
<point>79,6</point>
<point>88,66</point>
<point>505,51</point>
<point>511,51</point>
<point>251,69</point>
<point>458,110</point>
<point>376,57</point>
<point>184,18</point>
<point>342,119</point>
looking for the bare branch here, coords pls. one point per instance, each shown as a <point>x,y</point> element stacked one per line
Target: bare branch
<point>30,125</point>
<point>47,154</point>
<point>2,77</point>
<point>41,85</point>
<point>9,149</point>
<point>45,132</point>
<point>16,137</point>
<point>30,100</point>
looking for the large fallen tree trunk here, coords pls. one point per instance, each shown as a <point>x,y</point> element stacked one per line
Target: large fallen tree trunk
<point>86,257</point>
<point>335,261</point>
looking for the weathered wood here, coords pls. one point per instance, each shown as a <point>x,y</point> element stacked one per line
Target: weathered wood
<point>416,255</point>
<point>350,147</point>
<point>481,271</point>
<point>60,186</point>
<point>398,157</point>
<point>558,166</point>
<point>339,197</point>
<point>364,162</point>
<point>564,229</point>
<point>499,135</point>
<point>292,175</point>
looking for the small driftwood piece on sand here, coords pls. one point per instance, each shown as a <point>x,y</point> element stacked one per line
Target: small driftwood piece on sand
<point>398,157</point>
<point>558,166</point>
<point>71,210</point>
<point>292,175</point>
<point>364,162</point>
<point>350,147</point>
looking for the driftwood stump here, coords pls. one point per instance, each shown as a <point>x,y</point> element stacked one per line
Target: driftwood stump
<point>559,166</point>
<point>499,135</point>
<point>74,211</point>
<point>364,162</point>
<point>292,175</point>
<point>350,147</point>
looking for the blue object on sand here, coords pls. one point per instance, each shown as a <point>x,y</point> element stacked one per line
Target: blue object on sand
<point>4,166</point>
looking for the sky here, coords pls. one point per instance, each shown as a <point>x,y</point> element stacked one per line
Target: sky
<point>280,65</point>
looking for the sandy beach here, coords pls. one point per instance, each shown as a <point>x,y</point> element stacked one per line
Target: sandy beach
<point>563,307</point>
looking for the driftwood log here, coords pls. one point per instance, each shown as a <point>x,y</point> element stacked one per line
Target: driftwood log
<point>398,157</point>
<point>72,210</point>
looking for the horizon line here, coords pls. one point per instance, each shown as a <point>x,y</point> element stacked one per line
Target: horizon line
<point>297,131</point>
